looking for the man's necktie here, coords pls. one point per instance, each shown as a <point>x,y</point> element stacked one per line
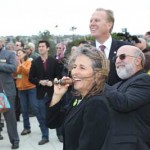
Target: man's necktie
<point>102,47</point>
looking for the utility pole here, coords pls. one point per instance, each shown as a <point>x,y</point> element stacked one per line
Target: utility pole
<point>73,28</point>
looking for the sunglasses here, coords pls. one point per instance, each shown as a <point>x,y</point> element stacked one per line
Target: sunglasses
<point>17,45</point>
<point>122,57</point>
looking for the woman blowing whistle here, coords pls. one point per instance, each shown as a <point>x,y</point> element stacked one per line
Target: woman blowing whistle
<point>86,119</point>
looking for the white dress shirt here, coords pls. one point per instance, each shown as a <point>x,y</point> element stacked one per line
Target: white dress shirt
<point>107,45</point>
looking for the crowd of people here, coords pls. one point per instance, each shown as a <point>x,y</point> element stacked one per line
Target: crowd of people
<point>103,102</point>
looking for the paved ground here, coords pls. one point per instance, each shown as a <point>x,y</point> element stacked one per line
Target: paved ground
<point>30,141</point>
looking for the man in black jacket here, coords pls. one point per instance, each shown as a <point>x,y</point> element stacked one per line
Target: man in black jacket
<point>42,73</point>
<point>129,103</point>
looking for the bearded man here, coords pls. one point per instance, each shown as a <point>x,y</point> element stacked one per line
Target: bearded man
<point>129,102</point>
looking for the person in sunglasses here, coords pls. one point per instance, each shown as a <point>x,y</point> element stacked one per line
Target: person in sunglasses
<point>129,102</point>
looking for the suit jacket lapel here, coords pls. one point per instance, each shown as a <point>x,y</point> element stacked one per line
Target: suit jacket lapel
<point>113,49</point>
<point>74,110</point>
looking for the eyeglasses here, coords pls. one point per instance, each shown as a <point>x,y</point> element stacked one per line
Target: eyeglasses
<point>122,57</point>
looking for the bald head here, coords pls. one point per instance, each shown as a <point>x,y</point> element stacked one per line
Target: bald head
<point>128,49</point>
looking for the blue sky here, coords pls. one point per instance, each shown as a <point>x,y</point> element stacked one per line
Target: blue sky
<point>28,17</point>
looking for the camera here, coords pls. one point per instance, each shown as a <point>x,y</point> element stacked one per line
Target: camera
<point>125,36</point>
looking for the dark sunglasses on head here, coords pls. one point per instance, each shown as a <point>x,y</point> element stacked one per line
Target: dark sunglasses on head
<point>121,57</point>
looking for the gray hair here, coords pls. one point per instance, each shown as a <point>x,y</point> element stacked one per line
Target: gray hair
<point>100,66</point>
<point>10,46</point>
<point>31,45</point>
<point>139,53</point>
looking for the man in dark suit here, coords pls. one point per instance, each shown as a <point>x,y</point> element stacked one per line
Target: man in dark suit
<point>7,67</point>
<point>101,25</point>
<point>42,73</point>
<point>129,102</point>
